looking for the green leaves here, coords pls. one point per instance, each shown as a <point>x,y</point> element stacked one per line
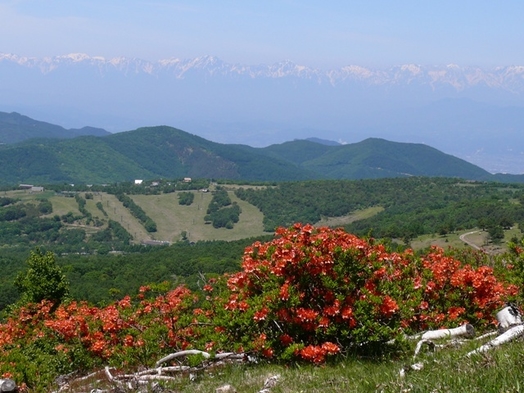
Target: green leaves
<point>43,280</point>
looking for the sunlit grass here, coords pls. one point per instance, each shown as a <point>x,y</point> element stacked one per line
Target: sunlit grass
<point>447,370</point>
<point>348,219</point>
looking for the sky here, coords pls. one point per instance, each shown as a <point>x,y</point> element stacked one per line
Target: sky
<point>322,34</point>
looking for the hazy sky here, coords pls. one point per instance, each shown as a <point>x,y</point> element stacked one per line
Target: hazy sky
<point>322,34</point>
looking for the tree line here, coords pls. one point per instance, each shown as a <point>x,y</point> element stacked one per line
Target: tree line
<point>411,206</point>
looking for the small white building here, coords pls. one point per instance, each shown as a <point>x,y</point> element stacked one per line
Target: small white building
<point>138,181</point>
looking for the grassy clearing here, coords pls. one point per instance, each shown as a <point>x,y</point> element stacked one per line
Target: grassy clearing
<point>348,219</point>
<point>474,235</point>
<point>25,195</point>
<point>446,241</point>
<point>448,370</point>
<point>172,218</point>
<point>91,208</point>
<point>63,205</point>
<point>117,212</point>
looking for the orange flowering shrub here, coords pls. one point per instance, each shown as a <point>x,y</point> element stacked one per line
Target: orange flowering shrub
<point>314,292</point>
<point>309,294</point>
<point>78,337</point>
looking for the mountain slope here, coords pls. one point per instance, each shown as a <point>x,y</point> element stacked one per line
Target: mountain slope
<point>374,158</point>
<point>471,112</point>
<point>166,152</point>
<point>509,78</point>
<point>15,128</point>
<point>146,153</point>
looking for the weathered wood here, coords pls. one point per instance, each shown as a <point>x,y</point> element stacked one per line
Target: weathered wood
<point>464,330</point>
<point>7,385</point>
<point>182,353</point>
<point>485,335</point>
<point>112,379</point>
<point>507,317</point>
<point>429,343</point>
<point>505,337</point>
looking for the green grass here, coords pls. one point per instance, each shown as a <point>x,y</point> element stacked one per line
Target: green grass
<point>448,370</point>
<point>446,241</point>
<point>63,205</point>
<point>172,218</point>
<point>478,237</point>
<point>348,219</point>
<point>117,212</point>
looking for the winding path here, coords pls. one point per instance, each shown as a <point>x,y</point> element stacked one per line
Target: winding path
<point>463,238</point>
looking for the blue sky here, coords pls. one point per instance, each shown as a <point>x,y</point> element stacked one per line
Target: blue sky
<point>324,34</point>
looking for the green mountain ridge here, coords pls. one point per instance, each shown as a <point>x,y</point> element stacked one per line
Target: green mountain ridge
<point>15,128</point>
<point>377,158</point>
<point>167,152</point>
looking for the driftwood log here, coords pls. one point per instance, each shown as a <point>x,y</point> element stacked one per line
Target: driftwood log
<point>465,330</point>
<point>509,335</point>
<point>507,317</point>
<point>510,327</point>
<point>8,385</point>
<point>142,379</point>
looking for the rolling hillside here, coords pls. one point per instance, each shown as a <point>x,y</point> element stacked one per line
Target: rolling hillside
<point>15,128</point>
<point>169,153</point>
<point>375,158</point>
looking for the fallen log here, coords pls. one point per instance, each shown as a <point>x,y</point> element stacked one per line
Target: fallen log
<point>182,353</point>
<point>507,317</point>
<point>7,385</point>
<point>507,336</point>
<point>464,330</point>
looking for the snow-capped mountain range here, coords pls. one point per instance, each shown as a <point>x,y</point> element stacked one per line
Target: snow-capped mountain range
<point>474,113</point>
<point>510,78</point>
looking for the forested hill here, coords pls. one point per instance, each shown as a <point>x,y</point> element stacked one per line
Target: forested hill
<point>375,158</point>
<point>166,152</point>
<point>15,128</point>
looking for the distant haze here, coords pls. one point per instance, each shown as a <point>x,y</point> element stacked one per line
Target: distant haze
<point>471,112</point>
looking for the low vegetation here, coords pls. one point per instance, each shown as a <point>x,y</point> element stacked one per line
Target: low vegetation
<point>308,296</point>
<point>245,289</point>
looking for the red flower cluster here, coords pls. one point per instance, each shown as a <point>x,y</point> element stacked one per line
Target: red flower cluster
<point>308,294</point>
<point>113,333</point>
<point>313,286</point>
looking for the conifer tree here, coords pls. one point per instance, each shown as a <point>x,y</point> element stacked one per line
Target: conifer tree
<point>43,280</point>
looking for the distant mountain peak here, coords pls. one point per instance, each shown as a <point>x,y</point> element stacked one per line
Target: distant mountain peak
<point>15,128</point>
<point>323,141</point>
<point>505,77</point>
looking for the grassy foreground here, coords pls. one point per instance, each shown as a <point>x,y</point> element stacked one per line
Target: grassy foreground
<point>447,370</point>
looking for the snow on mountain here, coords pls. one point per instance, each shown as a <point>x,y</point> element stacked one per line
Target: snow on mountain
<point>457,109</point>
<point>510,78</point>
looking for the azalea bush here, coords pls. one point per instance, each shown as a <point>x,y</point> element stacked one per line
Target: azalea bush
<point>308,295</point>
<point>315,292</point>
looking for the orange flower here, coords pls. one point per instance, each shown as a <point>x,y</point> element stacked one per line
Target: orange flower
<point>330,348</point>
<point>306,315</point>
<point>286,339</point>
<point>261,314</point>
<point>388,306</point>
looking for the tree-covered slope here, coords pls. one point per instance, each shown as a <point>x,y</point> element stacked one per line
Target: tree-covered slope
<point>298,151</point>
<point>15,128</point>
<point>410,206</point>
<point>166,152</point>
<point>145,153</point>
<point>170,152</point>
<point>80,160</point>
<point>375,158</point>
